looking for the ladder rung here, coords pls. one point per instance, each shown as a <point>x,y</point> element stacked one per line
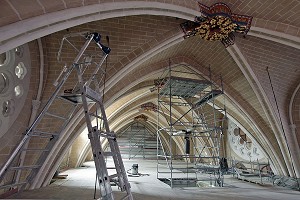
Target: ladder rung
<point>44,136</point>
<point>208,157</point>
<point>12,185</point>
<point>205,136</point>
<point>107,153</point>
<point>35,149</point>
<point>56,116</point>
<point>113,176</point>
<point>108,135</point>
<point>205,131</point>
<point>110,168</point>
<point>25,167</point>
<point>94,115</point>
<point>41,133</point>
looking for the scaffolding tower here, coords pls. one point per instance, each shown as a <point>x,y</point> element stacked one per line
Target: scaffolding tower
<point>137,142</point>
<point>190,117</point>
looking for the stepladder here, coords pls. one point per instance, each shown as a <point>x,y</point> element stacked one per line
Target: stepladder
<point>78,88</point>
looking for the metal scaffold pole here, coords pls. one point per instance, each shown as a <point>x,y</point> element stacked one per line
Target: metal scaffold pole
<point>186,101</point>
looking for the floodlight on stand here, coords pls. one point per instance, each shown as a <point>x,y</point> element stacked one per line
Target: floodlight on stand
<point>187,142</point>
<point>135,169</point>
<point>183,132</point>
<point>97,39</point>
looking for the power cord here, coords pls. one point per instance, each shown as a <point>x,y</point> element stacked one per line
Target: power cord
<point>130,174</point>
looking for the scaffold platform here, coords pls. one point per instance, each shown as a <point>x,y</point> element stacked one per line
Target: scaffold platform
<point>183,87</point>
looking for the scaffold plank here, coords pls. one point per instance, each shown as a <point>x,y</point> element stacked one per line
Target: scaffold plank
<point>183,87</point>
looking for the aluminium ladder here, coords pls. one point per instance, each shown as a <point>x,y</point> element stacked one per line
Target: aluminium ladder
<point>86,92</point>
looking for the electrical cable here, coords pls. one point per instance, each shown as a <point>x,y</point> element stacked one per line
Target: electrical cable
<point>135,175</point>
<point>106,61</point>
<point>287,144</point>
<point>104,81</point>
<point>95,188</point>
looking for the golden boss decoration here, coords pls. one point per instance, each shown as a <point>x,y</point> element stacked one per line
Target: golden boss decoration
<point>217,23</point>
<point>217,28</point>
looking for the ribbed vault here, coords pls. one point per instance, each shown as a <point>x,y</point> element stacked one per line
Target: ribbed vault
<point>145,38</point>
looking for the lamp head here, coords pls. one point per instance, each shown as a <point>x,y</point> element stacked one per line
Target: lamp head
<point>97,39</point>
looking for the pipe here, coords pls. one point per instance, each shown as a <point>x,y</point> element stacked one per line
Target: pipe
<point>293,174</point>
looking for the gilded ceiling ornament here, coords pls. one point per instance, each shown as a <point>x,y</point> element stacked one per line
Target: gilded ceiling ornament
<point>149,106</point>
<point>141,118</point>
<point>217,22</point>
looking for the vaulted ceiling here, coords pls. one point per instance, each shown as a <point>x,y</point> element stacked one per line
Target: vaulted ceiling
<point>145,36</point>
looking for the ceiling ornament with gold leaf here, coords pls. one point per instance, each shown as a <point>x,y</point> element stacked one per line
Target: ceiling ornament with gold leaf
<point>217,22</point>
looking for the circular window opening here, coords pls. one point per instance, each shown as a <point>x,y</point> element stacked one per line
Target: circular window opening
<point>3,83</point>
<point>19,51</point>
<point>242,141</point>
<point>242,151</point>
<point>20,70</point>
<point>4,58</point>
<point>18,91</point>
<point>248,145</point>
<point>249,154</point>
<point>236,131</point>
<point>7,108</point>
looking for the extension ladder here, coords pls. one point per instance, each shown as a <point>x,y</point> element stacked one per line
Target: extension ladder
<point>59,110</point>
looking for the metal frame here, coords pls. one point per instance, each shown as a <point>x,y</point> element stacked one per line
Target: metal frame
<point>135,140</point>
<point>90,85</point>
<point>260,173</point>
<point>198,125</point>
<point>252,171</point>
